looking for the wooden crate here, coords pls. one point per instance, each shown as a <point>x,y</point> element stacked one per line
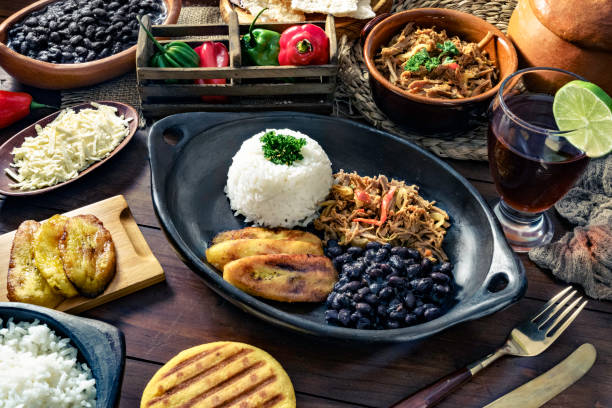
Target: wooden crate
<point>249,88</point>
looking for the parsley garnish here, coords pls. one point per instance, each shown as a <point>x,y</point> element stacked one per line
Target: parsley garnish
<point>415,62</point>
<point>447,48</point>
<point>422,57</point>
<point>282,149</point>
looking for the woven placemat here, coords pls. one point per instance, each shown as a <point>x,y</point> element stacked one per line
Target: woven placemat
<point>354,81</point>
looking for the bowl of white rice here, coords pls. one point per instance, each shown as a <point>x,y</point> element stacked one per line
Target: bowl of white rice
<point>278,195</point>
<point>49,359</point>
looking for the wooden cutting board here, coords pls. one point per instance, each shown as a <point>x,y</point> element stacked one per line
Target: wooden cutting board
<point>348,26</point>
<point>137,267</point>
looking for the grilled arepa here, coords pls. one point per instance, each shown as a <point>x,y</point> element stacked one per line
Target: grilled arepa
<point>224,252</point>
<point>267,233</point>
<point>283,277</point>
<point>24,281</point>
<point>220,375</point>
<point>48,258</point>
<point>88,254</point>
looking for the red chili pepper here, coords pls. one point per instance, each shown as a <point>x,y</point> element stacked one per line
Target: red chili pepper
<point>212,54</point>
<point>453,65</point>
<point>305,44</point>
<point>15,106</point>
<point>384,209</point>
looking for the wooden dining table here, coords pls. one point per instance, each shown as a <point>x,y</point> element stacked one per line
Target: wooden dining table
<point>182,312</point>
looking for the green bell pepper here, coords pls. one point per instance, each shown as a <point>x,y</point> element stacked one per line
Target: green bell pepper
<point>175,54</point>
<point>261,45</point>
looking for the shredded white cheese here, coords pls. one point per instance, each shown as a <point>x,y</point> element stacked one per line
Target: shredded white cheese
<point>66,146</point>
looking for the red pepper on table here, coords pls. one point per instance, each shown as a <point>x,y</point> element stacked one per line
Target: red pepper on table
<point>305,44</point>
<point>15,106</point>
<point>384,209</point>
<point>212,54</point>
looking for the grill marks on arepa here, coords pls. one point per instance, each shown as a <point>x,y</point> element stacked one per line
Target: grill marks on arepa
<point>220,375</point>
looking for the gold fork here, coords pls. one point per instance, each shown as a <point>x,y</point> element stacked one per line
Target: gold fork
<point>529,338</point>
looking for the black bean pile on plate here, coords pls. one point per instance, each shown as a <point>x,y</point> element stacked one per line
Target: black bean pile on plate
<point>75,31</point>
<point>386,287</point>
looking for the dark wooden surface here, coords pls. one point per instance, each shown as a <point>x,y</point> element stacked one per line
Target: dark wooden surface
<point>182,312</point>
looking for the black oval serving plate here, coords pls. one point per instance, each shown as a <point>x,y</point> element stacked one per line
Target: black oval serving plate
<point>100,345</point>
<point>187,187</point>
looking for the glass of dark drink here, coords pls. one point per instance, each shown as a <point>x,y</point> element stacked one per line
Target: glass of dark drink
<point>531,162</point>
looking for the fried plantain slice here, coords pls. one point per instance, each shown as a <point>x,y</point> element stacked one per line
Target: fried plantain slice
<point>24,281</point>
<point>227,251</point>
<point>267,233</point>
<point>283,277</point>
<point>88,254</point>
<point>48,258</point>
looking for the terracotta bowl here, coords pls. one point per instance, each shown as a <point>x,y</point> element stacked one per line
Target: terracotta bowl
<point>434,115</point>
<point>64,76</point>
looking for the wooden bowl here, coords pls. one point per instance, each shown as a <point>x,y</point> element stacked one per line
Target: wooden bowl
<point>351,27</point>
<point>65,76</point>
<point>434,115</point>
<point>6,158</point>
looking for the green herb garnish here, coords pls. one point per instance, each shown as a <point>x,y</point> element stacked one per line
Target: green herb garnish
<point>447,48</point>
<point>415,62</point>
<point>282,149</point>
<point>422,57</point>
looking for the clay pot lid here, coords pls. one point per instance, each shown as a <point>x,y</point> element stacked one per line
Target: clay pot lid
<point>587,23</point>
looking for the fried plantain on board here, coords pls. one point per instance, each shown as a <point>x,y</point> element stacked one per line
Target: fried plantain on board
<point>222,253</point>
<point>283,277</point>
<point>24,281</point>
<point>88,254</point>
<point>267,233</point>
<point>48,258</point>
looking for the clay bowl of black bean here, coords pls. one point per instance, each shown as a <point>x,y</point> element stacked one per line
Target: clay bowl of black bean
<point>63,44</point>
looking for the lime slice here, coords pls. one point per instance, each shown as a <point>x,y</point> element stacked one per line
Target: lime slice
<point>587,108</point>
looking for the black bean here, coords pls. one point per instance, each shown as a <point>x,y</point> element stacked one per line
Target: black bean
<point>446,268</point>
<point>414,254</point>
<point>440,277</point>
<point>43,56</point>
<point>355,251</point>
<point>55,37</point>
<point>373,245</point>
<point>410,319</point>
<point>73,27</point>
<point>410,300</point>
<point>353,286</point>
<point>422,285</point>
<point>385,268</point>
<point>331,316</point>
<point>104,53</point>
<point>111,6</point>
<point>413,271</point>
<point>381,255</point>
<point>31,22</point>
<point>375,272</point>
<point>398,313</point>
<point>80,51</point>
<point>371,298</point>
<point>91,55</point>
<point>344,316</point>
<point>370,254</point>
<point>419,311</point>
<point>363,308</point>
<point>99,13</point>
<point>334,251</point>
<point>396,281</point>
<point>396,262</point>
<point>76,40</point>
<point>385,293</point>
<point>431,313</point>
<point>356,316</point>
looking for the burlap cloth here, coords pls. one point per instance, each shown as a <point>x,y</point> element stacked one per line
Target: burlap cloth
<point>584,256</point>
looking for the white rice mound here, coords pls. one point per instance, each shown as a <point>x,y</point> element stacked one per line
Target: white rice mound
<point>40,370</point>
<point>278,195</point>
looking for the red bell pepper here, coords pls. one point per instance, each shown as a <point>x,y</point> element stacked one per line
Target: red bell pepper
<point>15,106</point>
<point>305,44</point>
<point>384,209</point>
<point>212,54</point>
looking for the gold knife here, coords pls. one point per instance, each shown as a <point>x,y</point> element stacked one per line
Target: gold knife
<point>540,390</point>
